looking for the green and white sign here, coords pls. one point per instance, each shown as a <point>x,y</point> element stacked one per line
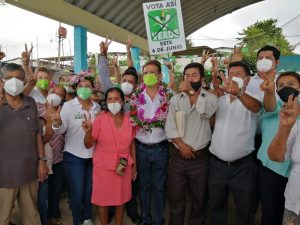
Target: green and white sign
<point>164,26</point>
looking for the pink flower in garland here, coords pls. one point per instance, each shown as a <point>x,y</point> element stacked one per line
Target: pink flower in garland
<point>141,114</point>
<point>142,99</point>
<point>138,98</point>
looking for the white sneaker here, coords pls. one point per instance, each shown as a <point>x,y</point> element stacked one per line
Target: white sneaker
<point>87,222</point>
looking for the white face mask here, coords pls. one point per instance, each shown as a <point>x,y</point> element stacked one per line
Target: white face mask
<point>114,108</point>
<point>54,100</point>
<point>127,88</point>
<point>13,86</point>
<point>239,81</point>
<point>264,65</point>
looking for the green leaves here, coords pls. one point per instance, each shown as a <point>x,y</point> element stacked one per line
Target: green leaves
<point>263,33</point>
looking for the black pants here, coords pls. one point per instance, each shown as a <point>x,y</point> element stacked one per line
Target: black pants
<point>55,181</point>
<point>271,189</point>
<point>184,175</point>
<point>237,179</point>
<point>131,206</point>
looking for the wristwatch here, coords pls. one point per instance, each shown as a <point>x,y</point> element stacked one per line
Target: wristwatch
<point>191,92</point>
<point>43,158</point>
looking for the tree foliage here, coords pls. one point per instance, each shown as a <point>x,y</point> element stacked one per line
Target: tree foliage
<point>263,33</point>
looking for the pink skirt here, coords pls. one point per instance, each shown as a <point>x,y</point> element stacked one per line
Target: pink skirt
<point>109,188</point>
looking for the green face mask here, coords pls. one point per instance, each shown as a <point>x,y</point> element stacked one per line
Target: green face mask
<point>42,84</point>
<point>150,79</point>
<point>84,93</point>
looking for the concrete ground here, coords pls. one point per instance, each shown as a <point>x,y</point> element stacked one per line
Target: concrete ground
<point>66,218</point>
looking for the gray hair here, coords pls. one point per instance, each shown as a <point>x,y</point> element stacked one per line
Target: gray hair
<point>11,67</point>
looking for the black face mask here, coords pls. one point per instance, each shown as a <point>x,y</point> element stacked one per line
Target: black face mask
<point>285,92</point>
<point>103,105</point>
<point>196,85</point>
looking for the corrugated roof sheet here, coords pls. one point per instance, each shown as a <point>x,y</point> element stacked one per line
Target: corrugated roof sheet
<point>128,14</point>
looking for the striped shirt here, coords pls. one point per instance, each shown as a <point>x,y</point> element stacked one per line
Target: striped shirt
<point>57,142</point>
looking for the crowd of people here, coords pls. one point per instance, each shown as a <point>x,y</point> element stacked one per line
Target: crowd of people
<point>237,136</point>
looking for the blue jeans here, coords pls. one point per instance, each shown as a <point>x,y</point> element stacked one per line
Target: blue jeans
<point>152,162</point>
<point>79,175</point>
<point>43,201</point>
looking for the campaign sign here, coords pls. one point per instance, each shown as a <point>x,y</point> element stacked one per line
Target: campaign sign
<point>164,26</point>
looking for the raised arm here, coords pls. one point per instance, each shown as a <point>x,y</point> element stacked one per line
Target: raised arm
<point>288,116</point>
<point>103,66</point>
<point>231,87</point>
<point>87,127</point>
<point>237,55</point>
<point>171,83</point>
<point>268,87</point>
<point>29,75</point>
<point>205,56</point>
<point>128,49</point>
<point>116,69</point>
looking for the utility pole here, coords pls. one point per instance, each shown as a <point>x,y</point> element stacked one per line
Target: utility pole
<point>62,34</point>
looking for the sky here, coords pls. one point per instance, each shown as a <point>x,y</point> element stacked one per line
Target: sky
<point>19,27</point>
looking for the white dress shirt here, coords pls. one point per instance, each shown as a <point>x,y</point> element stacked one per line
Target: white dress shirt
<point>72,116</point>
<point>292,190</point>
<point>158,134</point>
<point>253,87</point>
<point>234,131</point>
<point>37,96</point>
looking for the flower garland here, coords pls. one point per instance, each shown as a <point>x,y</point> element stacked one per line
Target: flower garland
<point>137,115</point>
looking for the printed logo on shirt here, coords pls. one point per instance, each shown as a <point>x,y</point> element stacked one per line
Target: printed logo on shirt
<point>78,115</point>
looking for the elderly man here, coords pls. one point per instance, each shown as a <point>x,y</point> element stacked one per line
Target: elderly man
<point>22,161</point>
<point>188,166</point>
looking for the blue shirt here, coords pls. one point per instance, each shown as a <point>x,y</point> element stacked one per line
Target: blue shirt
<point>269,128</point>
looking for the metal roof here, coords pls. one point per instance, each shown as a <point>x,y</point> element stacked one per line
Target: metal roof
<point>129,15</point>
<point>118,18</point>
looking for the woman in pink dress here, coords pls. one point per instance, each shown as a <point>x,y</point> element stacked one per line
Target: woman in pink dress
<point>114,158</point>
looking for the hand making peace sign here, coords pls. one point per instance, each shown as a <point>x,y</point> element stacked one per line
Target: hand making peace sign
<point>104,45</point>
<point>128,43</point>
<point>268,85</point>
<point>26,55</point>
<point>87,123</point>
<point>289,112</point>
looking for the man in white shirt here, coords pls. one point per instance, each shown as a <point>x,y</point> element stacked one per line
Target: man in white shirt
<point>188,166</point>
<point>150,101</point>
<point>231,165</point>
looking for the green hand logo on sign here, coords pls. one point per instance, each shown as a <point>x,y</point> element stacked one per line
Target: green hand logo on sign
<point>163,24</point>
